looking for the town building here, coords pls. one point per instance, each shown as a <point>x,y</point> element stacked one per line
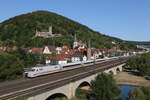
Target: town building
<point>56,60</point>
<point>36,50</point>
<point>6,48</point>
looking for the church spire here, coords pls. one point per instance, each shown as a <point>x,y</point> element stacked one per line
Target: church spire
<point>75,43</point>
<point>75,37</point>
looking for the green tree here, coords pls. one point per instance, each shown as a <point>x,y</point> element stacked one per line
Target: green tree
<point>136,94</point>
<point>139,93</point>
<point>53,54</point>
<point>29,59</point>
<point>10,67</point>
<point>12,63</point>
<point>80,94</point>
<point>104,87</point>
<point>141,63</point>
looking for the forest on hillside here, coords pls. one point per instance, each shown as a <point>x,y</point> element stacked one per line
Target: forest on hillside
<point>20,31</point>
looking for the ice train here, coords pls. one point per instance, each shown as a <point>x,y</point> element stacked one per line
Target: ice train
<point>47,69</point>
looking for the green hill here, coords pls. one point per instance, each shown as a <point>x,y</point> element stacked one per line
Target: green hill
<point>21,30</point>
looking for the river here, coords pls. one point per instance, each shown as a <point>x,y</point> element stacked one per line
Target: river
<point>125,90</point>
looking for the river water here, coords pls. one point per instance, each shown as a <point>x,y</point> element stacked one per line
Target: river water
<point>125,90</point>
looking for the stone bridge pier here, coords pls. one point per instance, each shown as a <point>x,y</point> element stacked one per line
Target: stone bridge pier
<point>68,90</point>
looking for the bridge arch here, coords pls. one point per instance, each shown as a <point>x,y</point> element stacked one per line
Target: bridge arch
<point>118,69</point>
<point>111,72</point>
<point>84,83</point>
<point>84,86</point>
<point>56,95</point>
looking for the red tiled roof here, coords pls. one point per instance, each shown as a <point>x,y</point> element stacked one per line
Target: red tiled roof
<point>52,49</point>
<point>65,47</point>
<point>3,48</point>
<point>36,49</point>
<point>14,47</point>
<point>64,55</point>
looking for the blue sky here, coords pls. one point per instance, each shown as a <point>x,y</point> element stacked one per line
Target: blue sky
<point>126,19</point>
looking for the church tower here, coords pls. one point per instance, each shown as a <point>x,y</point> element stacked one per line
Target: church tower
<point>89,50</point>
<point>75,43</point>
<point>50,30</point>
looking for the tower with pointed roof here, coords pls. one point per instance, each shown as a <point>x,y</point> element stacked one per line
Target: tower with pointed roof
<point>89,50</point>
<point>75,43</point>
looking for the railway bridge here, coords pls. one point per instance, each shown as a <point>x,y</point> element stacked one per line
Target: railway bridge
<point>62,84</point>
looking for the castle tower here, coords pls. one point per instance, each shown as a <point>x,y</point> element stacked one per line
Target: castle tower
<point>75,43</point>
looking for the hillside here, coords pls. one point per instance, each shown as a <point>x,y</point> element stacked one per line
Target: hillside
<point>20,31</point>
<point>145,43</point>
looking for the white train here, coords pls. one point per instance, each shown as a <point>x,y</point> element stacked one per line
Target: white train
<point>47,69</point>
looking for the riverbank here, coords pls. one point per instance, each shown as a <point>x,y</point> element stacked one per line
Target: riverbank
<point>128,78</point>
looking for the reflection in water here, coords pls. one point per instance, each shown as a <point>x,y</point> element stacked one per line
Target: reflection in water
<point>124,90</point>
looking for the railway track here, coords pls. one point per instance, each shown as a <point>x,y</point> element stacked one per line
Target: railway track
<point>30,87</point>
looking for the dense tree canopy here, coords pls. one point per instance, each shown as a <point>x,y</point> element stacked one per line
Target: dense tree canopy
<point>140,93</point>
<point>21,30</point>
<point>140,63</point>
<point>10,66</point>
<point>28,59</point>
<point>12,63</point>
<point>104,87</point>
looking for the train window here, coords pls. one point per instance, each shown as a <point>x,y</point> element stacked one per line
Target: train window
<point>32,70</point>
<point>40,69</point>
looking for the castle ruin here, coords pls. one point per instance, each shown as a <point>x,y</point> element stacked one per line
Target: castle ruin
<point>48,34</point>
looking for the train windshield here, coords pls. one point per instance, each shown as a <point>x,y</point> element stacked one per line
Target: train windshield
<point>32,70</point>
<point>29,70</point>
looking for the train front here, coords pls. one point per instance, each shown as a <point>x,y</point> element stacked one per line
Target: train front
<point>29,72</point>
